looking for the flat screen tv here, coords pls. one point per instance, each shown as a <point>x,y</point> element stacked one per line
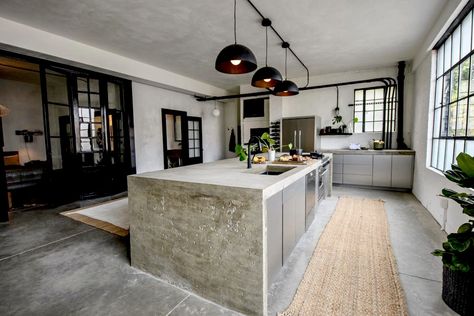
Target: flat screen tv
<point>254,107</point>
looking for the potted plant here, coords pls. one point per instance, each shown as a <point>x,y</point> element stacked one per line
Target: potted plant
<point>458,251</point>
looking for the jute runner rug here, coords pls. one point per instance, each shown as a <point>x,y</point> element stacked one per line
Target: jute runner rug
<point>352,270</point>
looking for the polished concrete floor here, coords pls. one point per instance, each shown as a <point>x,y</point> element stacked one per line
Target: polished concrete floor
<point>52,265</point>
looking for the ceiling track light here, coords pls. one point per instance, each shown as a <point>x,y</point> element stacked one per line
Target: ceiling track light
<point>236,58</point>
<point>266,77</point>
<point>286,87</point>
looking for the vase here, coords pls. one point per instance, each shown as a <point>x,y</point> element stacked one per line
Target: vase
<point>458,291</point>
<point>271,155</point>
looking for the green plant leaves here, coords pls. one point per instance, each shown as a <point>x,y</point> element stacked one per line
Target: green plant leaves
<point>466,164</point>
<point>465,228</point>
<point>241,152</point>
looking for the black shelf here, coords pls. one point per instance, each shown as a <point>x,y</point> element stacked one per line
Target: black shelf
<point>335,134</point>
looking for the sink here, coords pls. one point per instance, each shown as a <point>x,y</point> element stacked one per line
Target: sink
<point>275,170</point>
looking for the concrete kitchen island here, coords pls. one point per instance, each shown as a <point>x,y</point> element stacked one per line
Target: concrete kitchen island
<point>218,229</point>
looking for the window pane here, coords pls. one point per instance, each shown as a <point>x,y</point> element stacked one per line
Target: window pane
<point>191,153</point>
<point>358,128</point>
<point>85,145</point>
<point>94,85</point>
<point>466,29</point>
<point>439,90</point>
<point>113,93</point>
<point>81,84</point>
<point>446,87</point>
<point>440,62</point>
<point>83,99</point>
<point>369,95</point>
<point>358,115</point>
<point>378,105</point>
<point>454,84</point>
<point>471,83</point>
<point>378,115</point>
<point>95,100</point>
<point>437,120</point>
<point>447,54</point>
<point>358,107</point>
<point>441,153</point>
<point>449,154</point>
<point>56,155</point>
<point>456,45</point>
<point>459,148</point>
<point>470,123</point>
<point>378,126</point>
<point>84,115</point>
<point>444,121</point>
<point>379,94</point>
<point>470,147</point>
<point>197,152</point>
<point>452,118</point>
<point>359,95</point>
<point>369,126</point>
<point>57,113</point>
<point>369,116</point>
<point>464,78</point>
<point>461,118</point>
<point>434,152</point>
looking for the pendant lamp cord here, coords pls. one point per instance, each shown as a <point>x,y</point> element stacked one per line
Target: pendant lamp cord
<point>266,46</point>
<point>286,60</point>
<point>235,22</point>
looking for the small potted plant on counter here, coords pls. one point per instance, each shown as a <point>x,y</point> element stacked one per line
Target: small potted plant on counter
<point>458,251</point>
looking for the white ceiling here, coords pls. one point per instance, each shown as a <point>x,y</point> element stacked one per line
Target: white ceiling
<point>185,36</point>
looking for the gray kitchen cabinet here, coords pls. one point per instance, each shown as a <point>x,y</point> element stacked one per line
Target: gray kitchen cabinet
<point>357,169</point>
<point>274,235</point>
<point>382,174</point>
<point>402,171</point>
<point>337,168</point>
<point>293,216</point>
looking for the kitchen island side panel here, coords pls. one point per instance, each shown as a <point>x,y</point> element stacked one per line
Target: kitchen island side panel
<point>207,239</point>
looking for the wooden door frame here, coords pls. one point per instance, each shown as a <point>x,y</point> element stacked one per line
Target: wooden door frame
<point>184,134</point>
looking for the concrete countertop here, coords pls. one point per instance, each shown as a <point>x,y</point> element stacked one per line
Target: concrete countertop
<point>369,151</point>
<point>234,173</point>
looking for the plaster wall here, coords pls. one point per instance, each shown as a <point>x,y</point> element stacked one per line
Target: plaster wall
<point>428,182</point>
<point>26,112</point>
<point>147,104</point>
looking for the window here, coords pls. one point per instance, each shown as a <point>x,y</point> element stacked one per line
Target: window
<point>369,110</point>
<point>453,110</point>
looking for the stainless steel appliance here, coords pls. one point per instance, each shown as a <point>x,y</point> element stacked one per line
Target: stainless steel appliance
<point>323,179</point>
<point>311,179</point>
<point>301,132</point>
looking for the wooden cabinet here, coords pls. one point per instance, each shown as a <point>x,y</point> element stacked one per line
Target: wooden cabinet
<point>293,216</point>
<point>274,235</point>
<point>382,171</point>
<point>402,171</point>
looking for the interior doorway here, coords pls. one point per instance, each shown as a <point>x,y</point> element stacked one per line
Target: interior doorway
<point>182,138</point>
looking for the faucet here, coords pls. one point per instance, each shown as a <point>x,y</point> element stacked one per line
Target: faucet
<point>249,153</point>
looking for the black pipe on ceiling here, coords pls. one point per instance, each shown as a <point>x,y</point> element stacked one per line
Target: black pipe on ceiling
<point>283,41</point>
<point>385,80</point>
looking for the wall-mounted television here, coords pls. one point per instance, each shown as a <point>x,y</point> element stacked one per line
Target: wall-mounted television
<point>254,107</point>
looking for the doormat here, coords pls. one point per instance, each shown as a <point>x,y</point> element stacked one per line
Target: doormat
<point>352,270</point>
<point>111,216</point>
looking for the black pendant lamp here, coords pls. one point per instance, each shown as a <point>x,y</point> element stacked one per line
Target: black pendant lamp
<point>266,77</point>
<point>286,87</point>
<point>236,58</point>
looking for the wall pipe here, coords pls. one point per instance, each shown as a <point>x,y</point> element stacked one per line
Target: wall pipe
<point>401,87</point>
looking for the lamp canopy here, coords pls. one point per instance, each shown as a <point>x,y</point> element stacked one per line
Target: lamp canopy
<point>236,58</point>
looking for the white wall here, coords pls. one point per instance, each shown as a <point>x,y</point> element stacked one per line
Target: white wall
<point>428,183</point>
<point>147,104</point>
<point>26,112</point>
<point>231,121</point>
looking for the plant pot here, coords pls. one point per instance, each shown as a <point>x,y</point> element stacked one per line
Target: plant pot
<point>271,155</point>
<point>299,151</point>
<point>458,291</point>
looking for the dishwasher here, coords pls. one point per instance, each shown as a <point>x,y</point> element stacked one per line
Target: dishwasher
<point>311,201</point>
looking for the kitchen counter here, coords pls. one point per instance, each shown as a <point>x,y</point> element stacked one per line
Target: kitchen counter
<point>204,228</point>
<point>369,151</point>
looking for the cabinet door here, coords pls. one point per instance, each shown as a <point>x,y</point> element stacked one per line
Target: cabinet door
<point>293,216</point>
<point>382,174</point>
<point>402,171</point>
<point>274,235</point>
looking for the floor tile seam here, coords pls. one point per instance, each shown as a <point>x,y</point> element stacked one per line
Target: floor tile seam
<point>172,310</point>
<point>47,244</point>
<point>419,277</point>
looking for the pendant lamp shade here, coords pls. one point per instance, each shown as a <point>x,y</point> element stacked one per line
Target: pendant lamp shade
<point>236,59</point>
<point>266,77</point>
<point>286,88</point>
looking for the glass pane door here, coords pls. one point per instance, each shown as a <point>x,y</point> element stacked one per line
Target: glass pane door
<point>194,140</point>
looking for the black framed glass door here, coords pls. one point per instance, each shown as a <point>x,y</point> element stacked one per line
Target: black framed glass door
<point>194,140</point>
